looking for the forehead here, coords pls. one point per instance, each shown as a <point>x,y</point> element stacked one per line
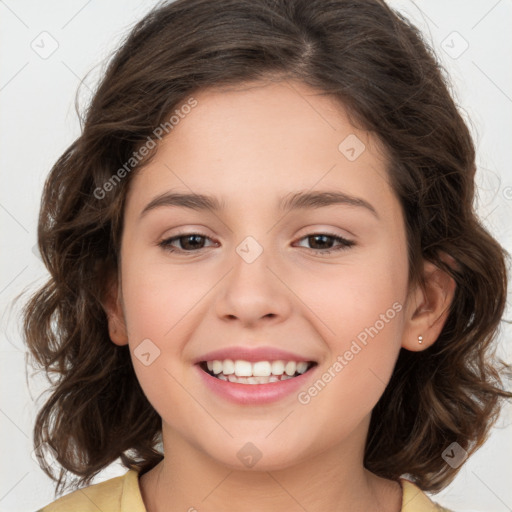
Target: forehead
<point>257,142</point>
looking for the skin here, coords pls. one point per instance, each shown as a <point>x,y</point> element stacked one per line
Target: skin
<point>250,146</point>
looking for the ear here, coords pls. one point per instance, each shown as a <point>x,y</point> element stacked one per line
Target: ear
<point>427,310</point>
<point>113,308</point>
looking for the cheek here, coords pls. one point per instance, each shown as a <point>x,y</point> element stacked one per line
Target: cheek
<point>157,295</point>
<point>351,296</point>
<point>159,303</point>
<point>360,319</point>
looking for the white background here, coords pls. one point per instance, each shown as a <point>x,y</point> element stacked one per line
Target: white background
<point>38,122</point>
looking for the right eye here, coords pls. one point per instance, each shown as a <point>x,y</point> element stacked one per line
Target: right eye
<point>190,242</point>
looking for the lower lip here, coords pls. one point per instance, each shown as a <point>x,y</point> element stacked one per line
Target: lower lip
<point>254,394</point>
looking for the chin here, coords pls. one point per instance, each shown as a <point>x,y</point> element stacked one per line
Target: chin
<point>254,456</point>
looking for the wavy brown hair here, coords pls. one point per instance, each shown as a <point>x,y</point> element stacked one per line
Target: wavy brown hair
<point>376,64</point>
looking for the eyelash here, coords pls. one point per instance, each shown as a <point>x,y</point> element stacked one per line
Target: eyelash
<point>345,244</point>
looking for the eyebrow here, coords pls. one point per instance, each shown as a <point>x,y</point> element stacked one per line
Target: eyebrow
<point>295,201</point>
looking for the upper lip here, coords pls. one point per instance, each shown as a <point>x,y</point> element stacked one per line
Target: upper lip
<point>251,354</point>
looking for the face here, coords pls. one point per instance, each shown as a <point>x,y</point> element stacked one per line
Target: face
<point>325,281</point>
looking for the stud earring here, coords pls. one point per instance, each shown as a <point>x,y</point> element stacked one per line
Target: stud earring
<point>420,339</point>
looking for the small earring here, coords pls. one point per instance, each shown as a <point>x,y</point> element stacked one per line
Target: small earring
<point>420,339</point>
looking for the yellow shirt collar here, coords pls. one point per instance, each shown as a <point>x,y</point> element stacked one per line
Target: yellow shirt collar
<point>413,498</point>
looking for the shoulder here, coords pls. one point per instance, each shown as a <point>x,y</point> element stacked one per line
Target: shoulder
<point>415,500</point>
<point>119,494</point>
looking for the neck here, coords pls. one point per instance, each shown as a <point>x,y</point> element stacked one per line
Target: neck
<point>188,479</point>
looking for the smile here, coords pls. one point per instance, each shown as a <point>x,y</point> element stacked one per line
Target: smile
<point>259,372</point>
<point>244,383</point>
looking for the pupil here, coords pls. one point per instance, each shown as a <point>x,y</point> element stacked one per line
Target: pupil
<point>315,237</point>
<point>189,237</point>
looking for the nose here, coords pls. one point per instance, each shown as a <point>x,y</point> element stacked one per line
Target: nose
<point>253,292</point>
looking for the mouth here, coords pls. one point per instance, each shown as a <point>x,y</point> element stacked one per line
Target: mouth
<point>261,372</point>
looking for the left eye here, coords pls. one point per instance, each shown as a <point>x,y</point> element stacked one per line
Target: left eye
<point>343,242</point>
<point>191,242</point>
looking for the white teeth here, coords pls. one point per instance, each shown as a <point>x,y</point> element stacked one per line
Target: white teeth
<point>261,369</point>
<point>290,368</point>
<point>260,372</point>
<point>217,367</point>
<point>277,367</point>
<point>253,380</point>
<point>242,368</point>
<point>302,367</point>
<point>228,367</point>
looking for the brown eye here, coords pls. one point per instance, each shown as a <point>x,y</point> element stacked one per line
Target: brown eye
<point>322,242</point>
<point>188,242</point>
<point>193,242</point>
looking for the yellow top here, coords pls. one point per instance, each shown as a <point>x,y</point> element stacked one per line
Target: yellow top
<point>122,494</point>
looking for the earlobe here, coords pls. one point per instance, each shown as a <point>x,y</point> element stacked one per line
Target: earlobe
<point>428,309</point>
<point>115,315</point>
<point>117,330</point>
